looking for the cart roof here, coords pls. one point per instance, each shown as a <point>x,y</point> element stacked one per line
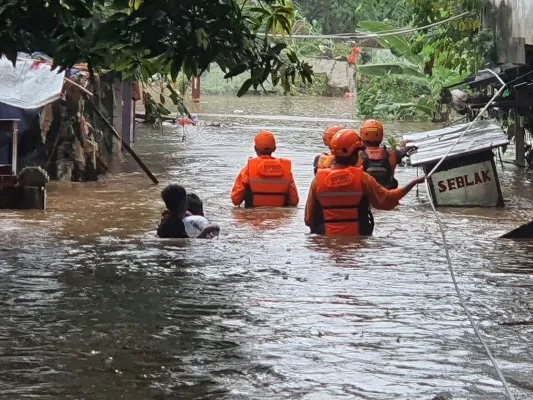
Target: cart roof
<point>433,145</point>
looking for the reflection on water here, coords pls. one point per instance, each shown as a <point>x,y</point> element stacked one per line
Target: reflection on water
<point>93,306</point>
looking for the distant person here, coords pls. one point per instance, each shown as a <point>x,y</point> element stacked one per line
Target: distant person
<point>325,160</point>
<point>265,181</point>
<point>176,223</point>
<point>340,198</point>
<point>375,159</point>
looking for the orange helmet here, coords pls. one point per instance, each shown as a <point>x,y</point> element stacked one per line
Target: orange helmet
<point>265,141</point>
<point>371,131</point>
<point>345,143</point>
<point>330,132</point>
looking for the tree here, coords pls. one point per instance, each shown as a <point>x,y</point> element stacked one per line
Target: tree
<point>342,16</point>
<point>461,44</point>
<point>147,37</point>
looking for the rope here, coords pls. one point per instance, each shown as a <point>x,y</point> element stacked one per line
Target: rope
<point>374,35</point>
<point>448,258</point>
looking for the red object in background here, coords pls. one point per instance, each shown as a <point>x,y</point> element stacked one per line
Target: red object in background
<point>352,57</point>
<point>185,121</point>
<point>348,95</point>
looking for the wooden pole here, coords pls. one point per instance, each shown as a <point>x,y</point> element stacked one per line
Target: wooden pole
<point>126,146</point>
<point>196,89</point>
<point>519,140</point>
<point>114,132</point>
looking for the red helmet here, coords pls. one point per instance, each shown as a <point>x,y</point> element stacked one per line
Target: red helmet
<point>330,132</point>
<point>371,131</point>
<point>345,143</point>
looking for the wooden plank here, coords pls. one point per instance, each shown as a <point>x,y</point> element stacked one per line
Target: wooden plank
<point>512,50</point>
<point>14,148</point>
<point>126,112</point>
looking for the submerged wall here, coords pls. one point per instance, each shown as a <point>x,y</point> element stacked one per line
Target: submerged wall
<point>340,75</point>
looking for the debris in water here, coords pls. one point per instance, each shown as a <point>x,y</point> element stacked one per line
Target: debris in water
<point>524,231</point>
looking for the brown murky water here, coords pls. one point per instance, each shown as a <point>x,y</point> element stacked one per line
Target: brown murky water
<point>93,306</point>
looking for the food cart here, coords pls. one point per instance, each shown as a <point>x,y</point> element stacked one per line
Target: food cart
<point>468,176</point>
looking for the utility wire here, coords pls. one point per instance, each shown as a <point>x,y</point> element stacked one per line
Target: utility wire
<point>401,31</point>
<point>448,258</point>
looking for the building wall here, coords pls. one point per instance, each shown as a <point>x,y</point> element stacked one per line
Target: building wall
<point>512,18</point>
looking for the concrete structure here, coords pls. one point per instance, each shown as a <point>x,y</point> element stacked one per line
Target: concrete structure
<point>512,22</point>
<point>340,75</point>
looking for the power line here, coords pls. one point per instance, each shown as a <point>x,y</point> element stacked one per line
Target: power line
<point>446,250</point>
<point>402,31</point>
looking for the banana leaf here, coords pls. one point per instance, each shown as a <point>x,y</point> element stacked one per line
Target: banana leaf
<point>398,70</point>
<point>397,44</point>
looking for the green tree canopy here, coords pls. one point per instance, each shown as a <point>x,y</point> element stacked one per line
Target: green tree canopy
<point>147,37</point>
<point>342,16</point>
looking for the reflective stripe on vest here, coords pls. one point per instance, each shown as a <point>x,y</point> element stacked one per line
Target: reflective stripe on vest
<point>339,193</point>
<point>270,180</point>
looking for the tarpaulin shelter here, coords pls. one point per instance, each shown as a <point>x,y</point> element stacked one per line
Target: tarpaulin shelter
<point>24,88</point>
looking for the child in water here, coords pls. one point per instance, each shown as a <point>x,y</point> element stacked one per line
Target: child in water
<point>195,206</point>
<point>178,222</point>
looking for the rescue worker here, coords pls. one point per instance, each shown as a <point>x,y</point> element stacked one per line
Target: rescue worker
<point>265,181</point>
<point>340,198</point>
<point>324,160</point>
<point>375,159</point>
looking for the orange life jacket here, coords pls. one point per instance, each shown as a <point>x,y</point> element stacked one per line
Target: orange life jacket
<point>340,193</point>
<point>375,161</point>
<point>270,180</point>
<point>325,160</point>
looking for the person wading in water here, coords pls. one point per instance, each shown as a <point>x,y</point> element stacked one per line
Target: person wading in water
<point>340,198</point>
<point>325,160</point>
<point>265,181</point>
<point>375,159</point>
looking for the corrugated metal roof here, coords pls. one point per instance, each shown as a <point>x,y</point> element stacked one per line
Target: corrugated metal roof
<point>433,145</point>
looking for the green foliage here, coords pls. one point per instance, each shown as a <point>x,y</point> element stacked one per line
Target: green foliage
<point>341,49</point>
<point>460,44</point>
<point>142,38</point>
<point>342,16</point>
<point>411,68</point>
<point>386,96</point>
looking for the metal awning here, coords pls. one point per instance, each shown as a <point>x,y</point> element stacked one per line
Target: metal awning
<point>433,145</point>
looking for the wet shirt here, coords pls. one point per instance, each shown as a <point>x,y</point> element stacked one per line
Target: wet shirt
<point>242,183</point>
<point>378,197</point>
<point>171,226</point>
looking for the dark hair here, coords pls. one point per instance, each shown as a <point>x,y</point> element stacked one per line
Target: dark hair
<point>195,205</point>
<point>175,198</point>
<point>349,161</point>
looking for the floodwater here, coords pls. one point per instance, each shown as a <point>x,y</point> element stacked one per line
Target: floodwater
<point>93,306</point>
